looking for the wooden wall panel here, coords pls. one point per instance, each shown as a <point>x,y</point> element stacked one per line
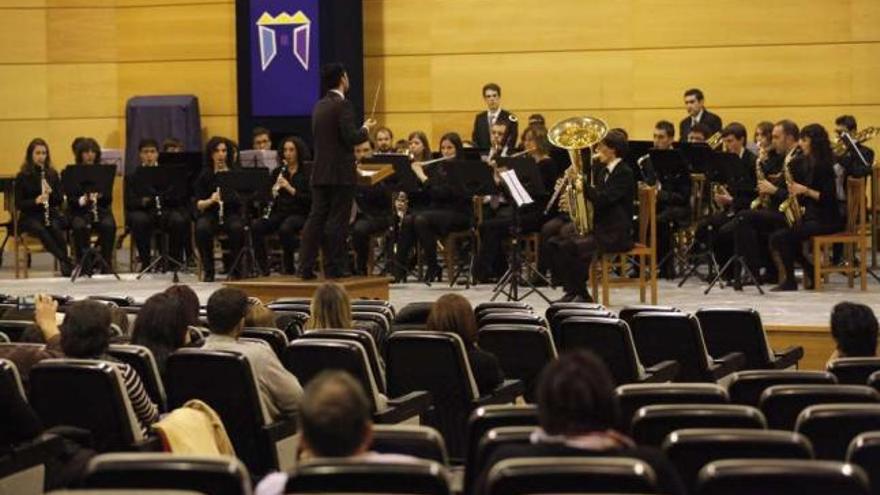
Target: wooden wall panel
<point>23,94</point>
<point>22,36</point>
<point>82,90</point>
<point>187,32</point>
<point>81,35</point>
<point>14,138</point>
<point>212,81</point>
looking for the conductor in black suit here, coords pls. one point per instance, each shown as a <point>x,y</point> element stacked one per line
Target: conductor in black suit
<point>612,197</point>
<point>494,113</point>
<point>697,114</point>
<point>334,175</point>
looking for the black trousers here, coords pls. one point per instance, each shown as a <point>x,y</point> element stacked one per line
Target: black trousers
<point>751,233</point>
<point>364,227</point>
<point>327,227</point>
<point>288,226</point>
<point>427,226</point>
<point>173,222</point>
<point>83,225</point>
<point>52,236</point>
<point>789,243</point>
<point>668,221</point>
<point>494,230</point>
<point>716,232</point>
<point>571,258</point>
<point>549,232</point>
<point>207,227</point>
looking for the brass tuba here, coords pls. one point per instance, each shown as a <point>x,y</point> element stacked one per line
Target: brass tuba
<point>574,134</point>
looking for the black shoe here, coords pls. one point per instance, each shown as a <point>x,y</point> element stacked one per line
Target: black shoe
<point>66,268</point>
<point>208,277</point>
<point>785,287</point>
<point>565,298</point>
<point>432,274</point>
<point>583,298</point>
<point>308,276</point>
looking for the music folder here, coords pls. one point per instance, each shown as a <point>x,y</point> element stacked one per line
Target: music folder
<point>517,192</point>
<point>668,163</point>
<point>370,174</point>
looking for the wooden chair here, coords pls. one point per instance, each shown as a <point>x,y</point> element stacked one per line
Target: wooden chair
<point>852,238</point>
<point>645,250</point>
<point>23,245</point>
<point>875,213</point>
<point>452,240</point>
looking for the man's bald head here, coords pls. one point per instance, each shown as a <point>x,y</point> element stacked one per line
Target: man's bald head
<point>335,416</point>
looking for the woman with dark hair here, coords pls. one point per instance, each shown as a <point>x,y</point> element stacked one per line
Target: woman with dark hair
<point>813,185</point>
<point>453,313</point>
<point>490,262</point>
<point>445,212</point>
<point>216,210</point>
<point>38,196</point>
<point>289,208</point>
<point>91,212</point>
<point>189,303</point>
<point>160,328</point>
<point>854,329</point>
<point>578,414</point>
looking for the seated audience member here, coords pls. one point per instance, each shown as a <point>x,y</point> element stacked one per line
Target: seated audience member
<point>330,308</point>
<point>189,302</point>
<point>120,329</point>
<point>280,391</point>
<point>258,315</point>
<point>335,422</point>
<point>854,329</point>
<point>577,414</point>
<point>44,331</point>
<point>161,327</point>
<point>453,313</point>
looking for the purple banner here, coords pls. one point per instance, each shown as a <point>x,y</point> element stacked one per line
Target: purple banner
<point>285,79</point>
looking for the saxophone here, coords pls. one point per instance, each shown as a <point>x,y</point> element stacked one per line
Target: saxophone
<point>791,207</point>
<point>763,200</point>
<point>45,190</point>
<point>575,134</point>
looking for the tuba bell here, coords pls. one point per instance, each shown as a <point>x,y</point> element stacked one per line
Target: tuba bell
<point>575,134</point>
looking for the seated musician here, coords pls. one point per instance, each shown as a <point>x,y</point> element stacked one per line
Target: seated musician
<point>443,211</point>
<point>384,140</point>
<point>811,181</point>
<point>673,195</point>
<point>261,139</point>
<point>372,213</point>
<point>490,262</point>
<point>91,211</point>
<point>763,137</point>
<point>715,231</point>
<point>38,197</point>
<point>148,212</point>
<point>612,198</point>
<point>849,163</point>
<point>753,226</point>
<point>289,207</point>
<point>172,145</point>
<point>216,210</point>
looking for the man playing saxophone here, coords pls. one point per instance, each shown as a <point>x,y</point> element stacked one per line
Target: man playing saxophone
<point>611,195</point>
<point>810,206</point>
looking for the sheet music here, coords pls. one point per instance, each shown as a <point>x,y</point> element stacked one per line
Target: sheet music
<point>519,194</point>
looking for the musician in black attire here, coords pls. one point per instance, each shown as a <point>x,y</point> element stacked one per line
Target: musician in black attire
<point>144,213</point>
<point>849,164</point>
<point>484,120</point>
<point>697,114</point>
<point>445,211</point>
<point>33,201</point>
<point>813,185</point>
<point>91,212</point>
<point>290,207</point>
<point>732,198</point>
<point>612,197</point>
<point>334,175</point>
<point>216,210</point>
<point>371,215</point>
<point>753,227</point>
<point>490,262</point>
<point>673,200</point>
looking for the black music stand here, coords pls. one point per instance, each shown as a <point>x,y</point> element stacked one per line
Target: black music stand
<point>667,164</point>
<point>87,179</point>
<point>165,182</point>
<point>247,186</point>
<point>466,179</point>
<point>521,187</point>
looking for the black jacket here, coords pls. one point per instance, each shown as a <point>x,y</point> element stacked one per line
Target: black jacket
<point>206,184</point>
<point>613,207</point>
<point>480,134</point>
<point>744,187</point>
<point>336,135</point>
<point>299,203</point>
<point>140,197</point>
<point>709,119</point>
<point>29,185</point>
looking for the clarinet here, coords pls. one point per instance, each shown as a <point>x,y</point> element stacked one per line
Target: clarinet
<point>220,207</point>
<point>44,185</point>
<point>158,205</point>
<point>275,192</point>
<point>95,210</point>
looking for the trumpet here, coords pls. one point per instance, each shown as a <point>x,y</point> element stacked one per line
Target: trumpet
<point>45,190</point>
<point>838,146</point>
<point>219,206</point>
